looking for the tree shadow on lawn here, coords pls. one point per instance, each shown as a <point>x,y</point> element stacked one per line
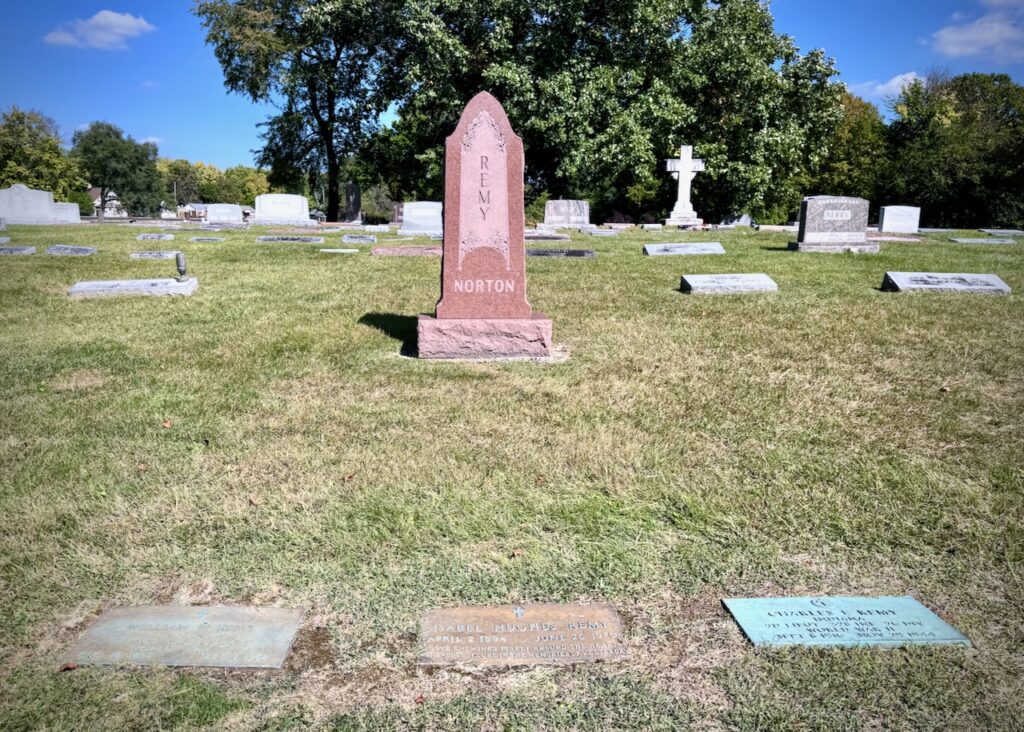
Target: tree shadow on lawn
<point>400,327</point>
<point>776,249</point>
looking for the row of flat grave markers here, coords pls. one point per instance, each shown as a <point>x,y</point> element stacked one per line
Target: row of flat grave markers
<point>58,250</point>
<point>494,636</point>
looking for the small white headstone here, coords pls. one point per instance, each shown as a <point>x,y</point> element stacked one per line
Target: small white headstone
<point>282,209</point>
<point>566,213</point>
<point>422,218</point>
<point>899,219</point>
<point>224,213</point>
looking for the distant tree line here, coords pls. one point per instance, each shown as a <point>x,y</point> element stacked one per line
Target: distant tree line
<point>601,92</point>
<point>102,156</point>
<point>955,147</point>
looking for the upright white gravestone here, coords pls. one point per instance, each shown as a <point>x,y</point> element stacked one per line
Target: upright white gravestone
<point>23,205</point>
<point>282,209</point>
<point>684,169</point>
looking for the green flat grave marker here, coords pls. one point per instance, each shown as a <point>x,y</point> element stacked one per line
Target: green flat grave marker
<point>889,622</point>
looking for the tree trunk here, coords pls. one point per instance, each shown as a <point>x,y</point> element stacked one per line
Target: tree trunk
<point>103,203</point>
<point>333,185</point>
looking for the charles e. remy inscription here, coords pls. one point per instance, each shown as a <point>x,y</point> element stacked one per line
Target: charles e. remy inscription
<point>841,621</point>
<point>525,635</point>
<point>232,637</point>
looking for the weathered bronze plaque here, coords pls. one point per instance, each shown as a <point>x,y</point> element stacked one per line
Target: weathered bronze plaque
<point>526,635</point>
<point>233,637</point>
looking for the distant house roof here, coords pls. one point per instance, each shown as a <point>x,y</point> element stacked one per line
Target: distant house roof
<point>95,191</point>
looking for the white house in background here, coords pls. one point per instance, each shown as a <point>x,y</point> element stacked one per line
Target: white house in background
<point>192,211</point>
<point>112,210</point>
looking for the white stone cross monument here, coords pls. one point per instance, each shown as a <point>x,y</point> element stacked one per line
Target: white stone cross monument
<point>684,169</point>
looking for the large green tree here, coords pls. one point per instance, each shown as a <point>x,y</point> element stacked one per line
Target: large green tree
<point>118,164</point>
<point>328,62</point>
<point>602,91</point>
<point>957,147</point>
<point>180,181</point>
<point>857,163</point>
<point>31,154</point>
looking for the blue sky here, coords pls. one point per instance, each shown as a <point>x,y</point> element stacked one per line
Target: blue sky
<point>145,67</point>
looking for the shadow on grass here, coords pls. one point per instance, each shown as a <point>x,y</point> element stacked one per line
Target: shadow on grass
<point>776,249</point>
<point>400,327</point>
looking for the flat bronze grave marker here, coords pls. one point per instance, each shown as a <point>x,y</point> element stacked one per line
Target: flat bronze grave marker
<point>889,622</point>
<point>528,635</point>
<point>228,637</point>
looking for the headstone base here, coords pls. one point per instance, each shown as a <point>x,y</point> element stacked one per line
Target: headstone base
<point>484,338</point>
<point>684,222</point>
<point>866,247</point>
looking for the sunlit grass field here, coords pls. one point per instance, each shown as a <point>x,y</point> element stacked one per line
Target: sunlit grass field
<point>265,442</point>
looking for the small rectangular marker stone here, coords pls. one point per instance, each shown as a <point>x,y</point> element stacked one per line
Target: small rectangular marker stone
<point>527,635</point>
<point>16,251</point>
<point>217,636</point>
<point>987,284</point>
<point>128,288</point>
<point>562,253</point>
<point>207,239</point>
<point>64,250</point>
<point>888,622</point>
<point>359,239</point>
<point>990,240</point>
<point>339,251</point>
<point>153,255</point>
<point>155,237</point>
<point>673,250</point>
<point>727,284</point>
<point>291,239</point>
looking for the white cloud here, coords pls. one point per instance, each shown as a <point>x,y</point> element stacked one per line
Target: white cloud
<point>106,31</point>
<point>997,34</point>
<point>884,89</point>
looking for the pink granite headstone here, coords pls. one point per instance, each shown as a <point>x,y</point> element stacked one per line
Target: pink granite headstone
<point>483,311</point>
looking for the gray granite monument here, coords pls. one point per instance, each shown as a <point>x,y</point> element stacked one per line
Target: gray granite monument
<point>834,224</point>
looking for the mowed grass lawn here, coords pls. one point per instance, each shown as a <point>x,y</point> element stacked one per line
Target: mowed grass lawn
<point>263,442</point>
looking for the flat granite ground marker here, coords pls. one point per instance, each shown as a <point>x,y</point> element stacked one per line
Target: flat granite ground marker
<point>66,250</point>
<point>218,636</point>
<point>1002,232</point>
<point>155,237</point>
<point>985,284</point>
<point>562,253</point>
<point>207,239</point>
<point>15,251</point>
<point>339,251</point>
<point>359,239</point>
<point>5,239</point>
<point>528,635</point>
<point>727,284</point>
<point>985,241</point>
<point>670,250</point>
<point>890,622</point>
<point>154,255</point>
<point>291,239</point>
<point>483,312</point>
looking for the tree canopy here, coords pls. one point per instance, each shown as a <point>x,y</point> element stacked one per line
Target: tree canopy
<point>113,162</point>
<point>31,154</point>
